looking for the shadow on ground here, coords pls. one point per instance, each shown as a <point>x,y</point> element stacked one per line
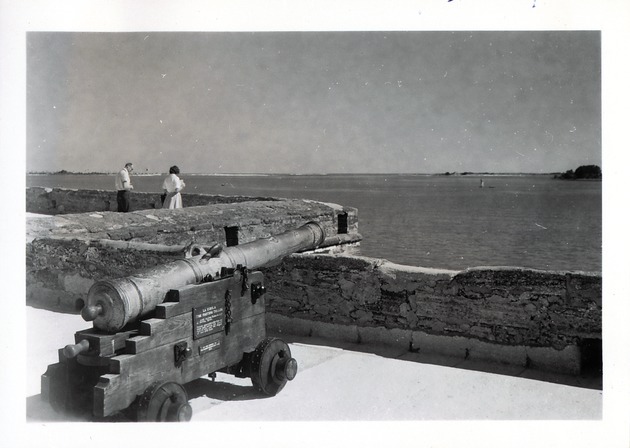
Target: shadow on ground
<point>222,391</point>
<point>591,378</point>
<point>38,410</point>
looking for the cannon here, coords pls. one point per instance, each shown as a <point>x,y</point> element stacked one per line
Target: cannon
<point>160,328</point>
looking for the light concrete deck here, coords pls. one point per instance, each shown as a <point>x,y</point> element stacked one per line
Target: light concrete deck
<point>344,396</point>
<point>344,384</point>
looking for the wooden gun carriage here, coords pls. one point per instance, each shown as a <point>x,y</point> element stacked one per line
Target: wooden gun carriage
<point>149,337</point>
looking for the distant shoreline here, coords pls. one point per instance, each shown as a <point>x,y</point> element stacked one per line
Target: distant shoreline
<point>467,174</point>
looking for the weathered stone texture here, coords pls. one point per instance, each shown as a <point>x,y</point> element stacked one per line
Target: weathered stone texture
<point>202,225</point>
<point>508,306</point>
<point>60,201</point>
<point>67,253</point>
<point>255,216</point>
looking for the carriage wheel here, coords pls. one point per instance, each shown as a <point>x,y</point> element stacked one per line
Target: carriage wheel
<point>164,402</point>
<point>272,366</point>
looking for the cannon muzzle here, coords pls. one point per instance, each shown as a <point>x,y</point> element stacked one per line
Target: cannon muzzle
<point>112,304</point>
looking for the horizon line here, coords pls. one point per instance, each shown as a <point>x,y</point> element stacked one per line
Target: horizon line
<point>442,173</point>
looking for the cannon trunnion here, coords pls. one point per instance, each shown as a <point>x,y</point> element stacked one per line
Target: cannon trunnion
<point>198,330</point>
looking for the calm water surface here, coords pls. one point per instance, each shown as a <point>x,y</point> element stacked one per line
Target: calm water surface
<point>432,221</point>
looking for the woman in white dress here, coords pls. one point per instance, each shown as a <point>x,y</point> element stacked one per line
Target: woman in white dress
<point>172,186</point>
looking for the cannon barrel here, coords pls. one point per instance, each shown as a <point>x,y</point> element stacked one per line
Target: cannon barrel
<point>112,304</point>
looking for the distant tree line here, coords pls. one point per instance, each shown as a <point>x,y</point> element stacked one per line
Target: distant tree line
<point>65,172</point>
<point>582,172</point>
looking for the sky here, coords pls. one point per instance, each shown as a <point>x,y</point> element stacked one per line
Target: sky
<point>314,102</point>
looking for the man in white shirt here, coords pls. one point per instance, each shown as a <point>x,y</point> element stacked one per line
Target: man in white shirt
<point>123,186</point>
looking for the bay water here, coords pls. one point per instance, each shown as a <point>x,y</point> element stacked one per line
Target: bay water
<point>448,222</point>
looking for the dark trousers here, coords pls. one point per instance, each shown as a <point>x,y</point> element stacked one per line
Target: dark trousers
<point>123,200</point>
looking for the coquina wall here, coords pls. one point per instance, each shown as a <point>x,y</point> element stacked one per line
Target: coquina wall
<point>59,201</point>
<point>67,253</point>
<point>526,317</point>
<point>513,315</point>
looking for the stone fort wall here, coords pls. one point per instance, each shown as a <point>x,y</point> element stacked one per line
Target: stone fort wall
<point>542,319</point>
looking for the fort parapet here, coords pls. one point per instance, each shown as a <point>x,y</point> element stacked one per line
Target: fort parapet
<point>547,320</point>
